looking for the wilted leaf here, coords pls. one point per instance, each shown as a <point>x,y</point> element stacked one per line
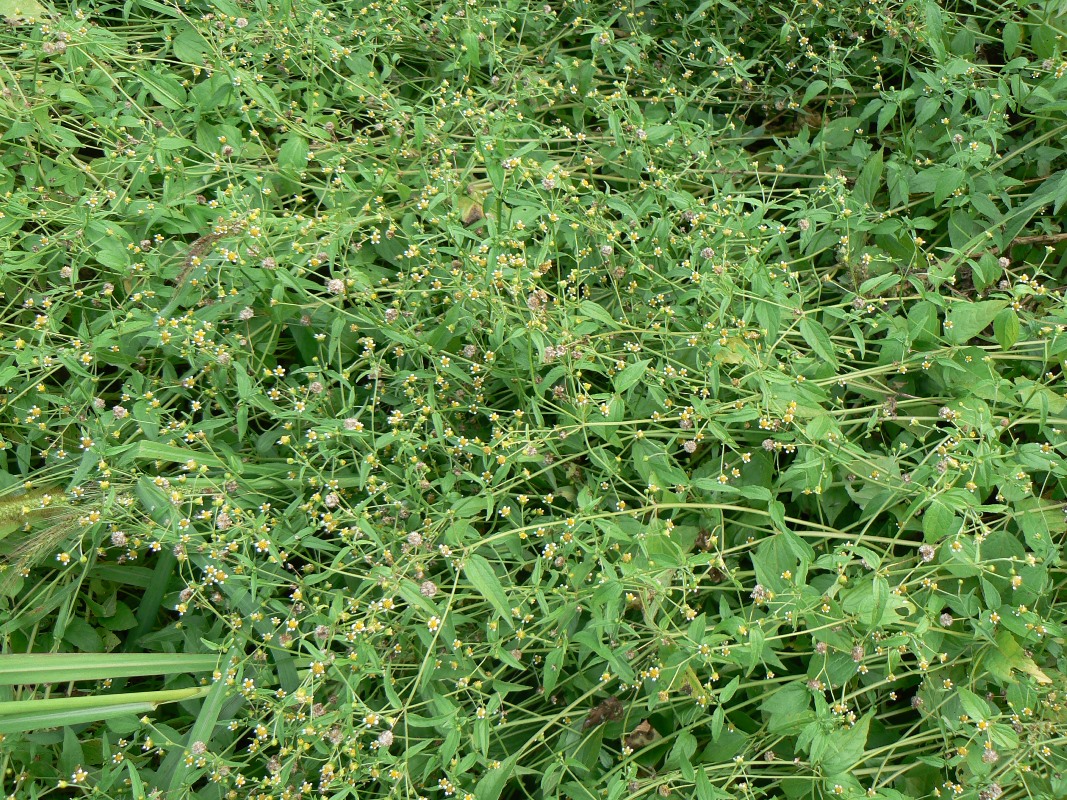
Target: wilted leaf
<point>470,210</point>
<point>607,710</point>
<point>641,736</point>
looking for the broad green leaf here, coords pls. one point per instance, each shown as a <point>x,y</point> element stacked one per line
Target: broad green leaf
<point>1052,190</point>
<point>896,175</point>
<point>926,108</point>
<point>870,179</point>
<point>818,339</point>
<point>681,755</point>
<point>293,155</point>
<point>973,705</point>
<point>729,689</point>
<point>950,179</point>
<point>879,284</point>
<point>630,375</point>
<point>788,708</point>
<point>706,790</point>
<point>841,750</point>
<point>985,206</point>
<point>553,666</point>
<point>872,602</point>
<point>718,718</point>
<point>939,521</point>
<point>492,783</point>
<point>487,583</point>
<point>165,90</point>
<point>1011,36</point>
<point>592,310</point>
<point>935,27</point>
<point>136,784</point>
<point>189,46</point>
<point>573,790</point>
<point>965,320</point>
<point>815,88</point>
<point>173,143</point>
<point>1006,328</point>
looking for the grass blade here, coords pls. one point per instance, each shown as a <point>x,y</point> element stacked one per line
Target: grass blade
<point>174,768</point>
<point>10,708</point>
<point>29,715</point>
<point>36,668</point>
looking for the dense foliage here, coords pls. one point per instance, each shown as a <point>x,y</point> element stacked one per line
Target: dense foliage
<point>489,399</point>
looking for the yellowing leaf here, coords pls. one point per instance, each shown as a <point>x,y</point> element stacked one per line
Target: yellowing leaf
<point>1028,666</point>
<point>470,211</point>
<point>19,11</point>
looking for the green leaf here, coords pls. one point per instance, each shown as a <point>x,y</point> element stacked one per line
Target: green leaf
<point>729,689</point>
<point>293,155</point>
<point>815,88</point>
<point>1012,34</point>
<point>136,784</point>
<point>935,24</point>
<point>189,46</point>
<point>553,665</point>
<point>492,783</point>
<point>1006,328</point>
<point>887,112</point>
<point>1042,526</point>
<point>83,636</point>
<point>165,90</point>
<point>485,580</point>
<point>841,750</point>
<point>965,320</point>
<point>1060,195</point>
<point>788,709</point>
<point>985,206</point>
<point>925,109</point>
<point>950,180</point>
<point>879,284</point>
<point>72,756</point>
<point>630,375</point>
<point>985,271</point>
<point>922,322</point>
<point>173,143</point>
<point>870,179</point>
<point>818,339</point>
<point>1052,190</point>
<point>939,522</point>
<point>681,755</point>
<point>872,602</point>
<point>705,789</point>
<point>588,308</point>
<point>717,720</point>
<point>112,253</point>
<point>574,790</point>
<point>973,705</point>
